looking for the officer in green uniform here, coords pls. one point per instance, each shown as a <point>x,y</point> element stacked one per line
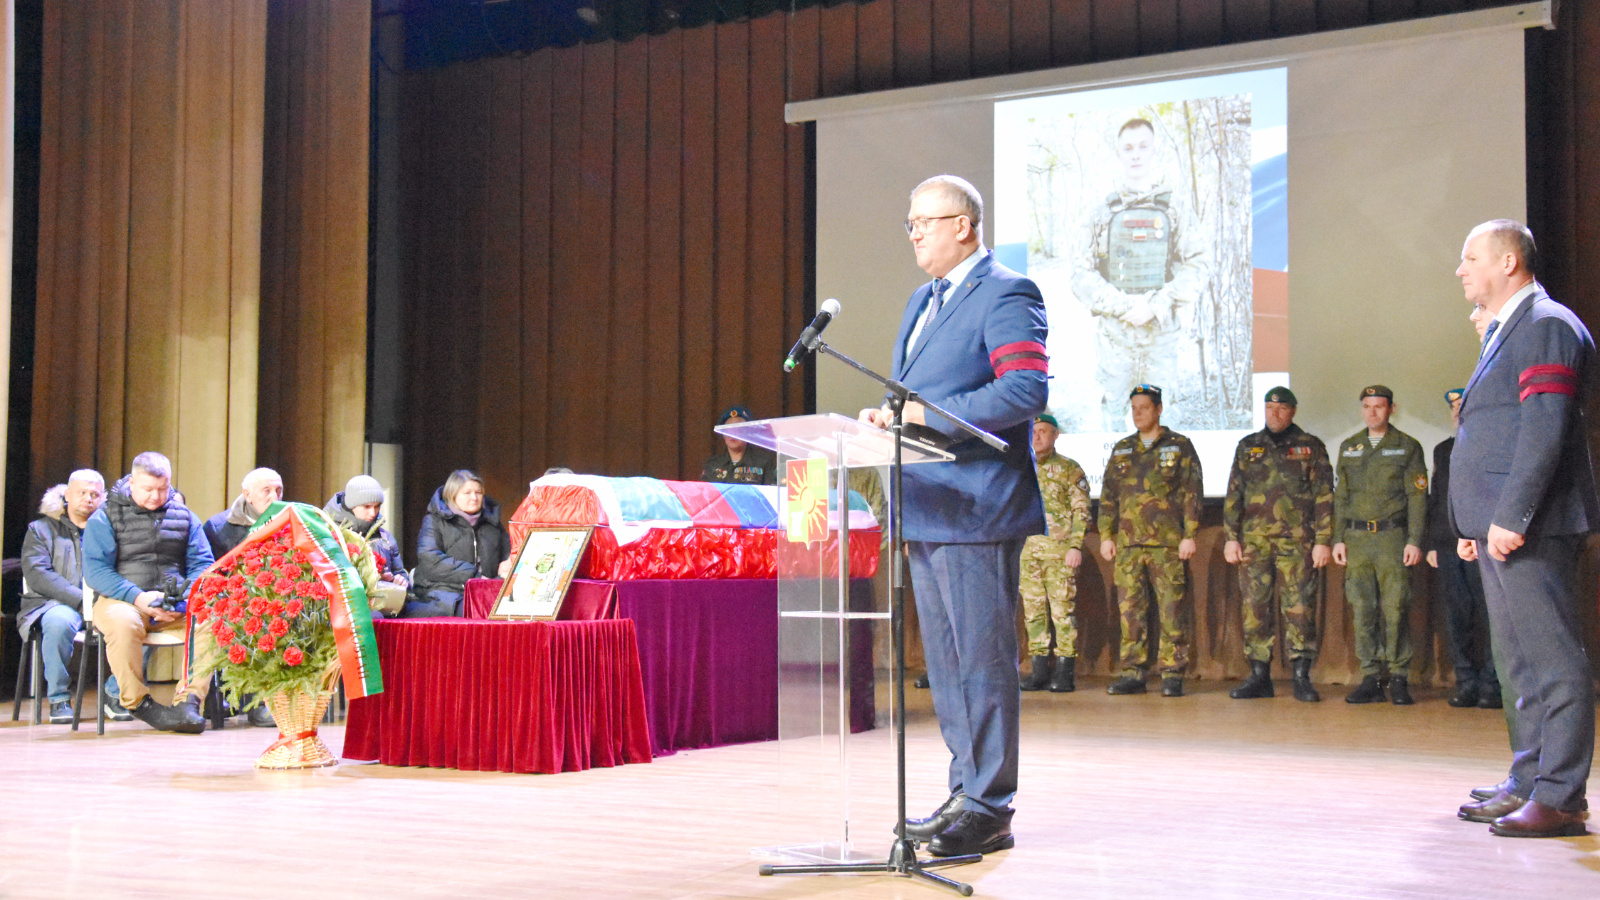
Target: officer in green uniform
<point>1278,521</point>
<point>1143,262</point>
<point>1379,518</point>
<point>1050,563</point>
<point>1149,516</point>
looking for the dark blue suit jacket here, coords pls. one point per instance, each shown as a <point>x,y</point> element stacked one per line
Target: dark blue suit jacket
<point>982,358</point>
<point>1521,459</point>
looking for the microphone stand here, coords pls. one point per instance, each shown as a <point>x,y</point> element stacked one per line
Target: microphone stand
<point>902,859</point>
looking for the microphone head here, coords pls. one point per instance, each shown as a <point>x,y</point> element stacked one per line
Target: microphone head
<point>830,306</point>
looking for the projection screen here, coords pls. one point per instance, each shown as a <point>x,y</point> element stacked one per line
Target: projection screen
<point>1310,199</point>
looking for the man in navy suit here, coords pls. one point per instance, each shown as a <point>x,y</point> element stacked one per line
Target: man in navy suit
<point>1522,497</point>
<point>972,342</point>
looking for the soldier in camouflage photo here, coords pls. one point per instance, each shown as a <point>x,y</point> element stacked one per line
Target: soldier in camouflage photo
<point>1050,564</point>
<point>1380,508</point>
<point>1277,518</point>
<point>1144,262</point>
<point>1149,516</point>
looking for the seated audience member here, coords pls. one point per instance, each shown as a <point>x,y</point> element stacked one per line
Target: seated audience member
<point>461,538</point>
<point>359,507</point>
<point>740,463</point>
<point>227,529</point>
<point>52,585</point>
<point>140,538</point>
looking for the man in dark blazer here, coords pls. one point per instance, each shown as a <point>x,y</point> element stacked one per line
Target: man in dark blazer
<point>1522,496</point>
<point>972,341</point>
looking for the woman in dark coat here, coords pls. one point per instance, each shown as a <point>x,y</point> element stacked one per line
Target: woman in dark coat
<point>461,538</point>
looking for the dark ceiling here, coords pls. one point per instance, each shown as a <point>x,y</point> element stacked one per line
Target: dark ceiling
<point>440,32</point>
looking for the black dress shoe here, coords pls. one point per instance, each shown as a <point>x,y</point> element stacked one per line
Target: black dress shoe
<point>1501,804</point>
<point>921,682</point>
<point>924,829</point>
<point>182,718</point>
<point>973,832</point>
<point>1484,793</point>
<point>1466,695</point>
<point>1535,820</point>
<point>1369,691</point>
<point>1489,698</point>
<point>1399,691</point>
<point>1172,686</point>
<point>1128,684</point>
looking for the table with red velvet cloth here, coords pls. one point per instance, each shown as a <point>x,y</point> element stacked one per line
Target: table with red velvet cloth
<point>503,696</point>
<point>708,650</point>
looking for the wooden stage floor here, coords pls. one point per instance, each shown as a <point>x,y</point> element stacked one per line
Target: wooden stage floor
<point>1122,797</point>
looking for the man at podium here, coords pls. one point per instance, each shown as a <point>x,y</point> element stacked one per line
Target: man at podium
<point>971,341</point>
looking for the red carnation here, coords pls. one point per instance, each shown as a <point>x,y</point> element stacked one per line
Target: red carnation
<point>258,607</point>
<point>294,606</point>
<point>293,656</point>
<point>282,586</point>
<point>279,627</point>
<point>275,608</point>
<point>200,613</point>
<point>266,643</point>
<point>253,626</point>
<point>303,589</point>
<point>319,592</point>
<point>263,579</point>
<point>237,654</point>
<point>222,631</point>
<point>302,558</point>
<point>252,566</point>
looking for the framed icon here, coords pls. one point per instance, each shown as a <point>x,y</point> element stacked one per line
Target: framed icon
<point>538,581</point>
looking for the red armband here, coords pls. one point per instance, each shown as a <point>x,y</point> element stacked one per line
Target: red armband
<point>1548,379</point>
<point>1021,355</point>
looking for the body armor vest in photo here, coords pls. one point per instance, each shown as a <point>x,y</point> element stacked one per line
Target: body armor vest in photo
<point>1138,243</point>
<point>151,544</point>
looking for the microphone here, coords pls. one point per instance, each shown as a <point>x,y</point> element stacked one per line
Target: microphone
<point>808,338</point>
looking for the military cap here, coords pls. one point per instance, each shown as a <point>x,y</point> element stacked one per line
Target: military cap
<point>1454,394</point>
<point>1281,394</point>
<point>1048,420</point>
<point>1377,390</point>
<point>1149,390</point>
<point>732,411</point>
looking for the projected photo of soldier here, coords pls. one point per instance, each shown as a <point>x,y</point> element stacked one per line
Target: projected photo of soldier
<point>1143,267</point>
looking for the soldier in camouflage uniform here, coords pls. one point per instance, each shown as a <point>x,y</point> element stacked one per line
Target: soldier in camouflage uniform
<point>1379,518</point>
<point>1050,563</point>
<point>1142,262</point>
<point>1149,516</point>
<point>1277,518</point>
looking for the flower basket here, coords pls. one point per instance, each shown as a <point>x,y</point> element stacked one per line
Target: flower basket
<point>283,616</point>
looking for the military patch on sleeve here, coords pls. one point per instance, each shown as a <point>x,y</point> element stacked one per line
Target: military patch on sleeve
<point>1422,482</point>
<point>1083,483</point>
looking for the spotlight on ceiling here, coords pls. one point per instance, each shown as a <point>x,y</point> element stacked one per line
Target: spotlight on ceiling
<point>588,15</point>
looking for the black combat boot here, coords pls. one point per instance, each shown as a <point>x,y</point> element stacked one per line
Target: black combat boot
<point>1369,691</point>
<point>1037,679</point>
<point>1399,691</point>
<point>1303,691</point>
<point>1064,681</point>
<point>1258,685</point>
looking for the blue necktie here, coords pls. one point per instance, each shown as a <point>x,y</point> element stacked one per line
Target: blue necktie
<point>940,285</point>
<point>1488,336</point>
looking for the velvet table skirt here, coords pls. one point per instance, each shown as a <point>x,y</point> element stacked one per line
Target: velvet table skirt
<point>503,696</point>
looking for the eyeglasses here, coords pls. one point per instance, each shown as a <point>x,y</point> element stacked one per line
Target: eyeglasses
<point>921,223</point>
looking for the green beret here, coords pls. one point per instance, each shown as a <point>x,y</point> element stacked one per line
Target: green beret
<point>1281,394</point>
<point>1048,420</point>
<point>1149,390</point>
<point>1454,394</point>
<point>1377,390</point>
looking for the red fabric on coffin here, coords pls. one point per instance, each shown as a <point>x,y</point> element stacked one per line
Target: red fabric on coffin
<point>504,696</point>
<point>585,601</point>
<point>706,553</point>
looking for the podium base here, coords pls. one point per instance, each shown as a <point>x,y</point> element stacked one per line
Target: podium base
<point>825,853</point>
<point>902,861</point>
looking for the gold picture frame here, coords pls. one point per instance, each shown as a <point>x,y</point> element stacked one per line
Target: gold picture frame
<point>536,587</point>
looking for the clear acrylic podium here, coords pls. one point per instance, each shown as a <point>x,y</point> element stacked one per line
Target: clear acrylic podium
<point>816,618</point>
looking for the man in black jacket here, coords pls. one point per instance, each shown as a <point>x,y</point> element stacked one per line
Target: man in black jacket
<point>52,584</point>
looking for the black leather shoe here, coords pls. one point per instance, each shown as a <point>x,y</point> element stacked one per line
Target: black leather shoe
<point>1065,679</point>
<point>1369,691</point>
<point>1484,793</point>
<point>942,818</point>
<point>181,719</point>
<point>1399,691</point>
<point>1128,684</point>
<point>1489,698</point>
<point>1501,804</point>
<point>1172,686</point>
<point>973,832</point>
<point>1039,677</point>
<point>260,717</point>
<point>1466,695</point>
<point>921,682</point>
<point>1258,685</point>
<point>1304,691</point>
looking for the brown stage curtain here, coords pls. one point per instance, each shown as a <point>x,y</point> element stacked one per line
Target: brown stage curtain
<point>313,366</point>
<point>149,240</point>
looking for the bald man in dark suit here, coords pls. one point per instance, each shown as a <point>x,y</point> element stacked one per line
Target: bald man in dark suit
<point>1522,496</point>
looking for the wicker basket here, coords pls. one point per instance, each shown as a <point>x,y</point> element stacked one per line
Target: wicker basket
<point>297,746</point>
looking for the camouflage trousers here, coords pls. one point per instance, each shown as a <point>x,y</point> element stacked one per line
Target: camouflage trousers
<point>1378,586</point>
<point>1049,602</point>
<point>1285,563</point>
<point>1143,572</point>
